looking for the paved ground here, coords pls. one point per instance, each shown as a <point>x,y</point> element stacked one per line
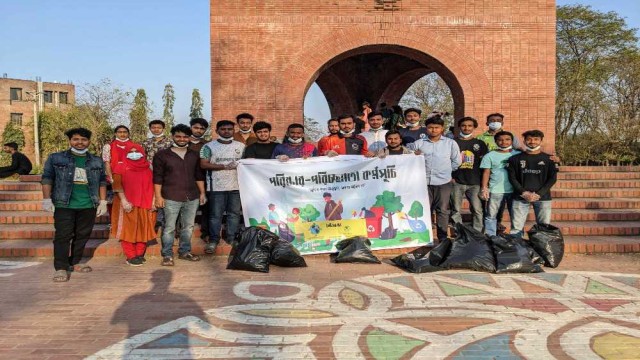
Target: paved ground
<point>589,308</point>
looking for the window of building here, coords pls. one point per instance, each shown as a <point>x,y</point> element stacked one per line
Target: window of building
<point>16,119</point>
<point>48,96</point>
<point>64,98</point>
<point>16,94</point>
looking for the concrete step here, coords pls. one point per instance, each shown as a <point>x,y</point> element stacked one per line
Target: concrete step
<point>597,184</point>
<point>35,217</point>
<point>598,175</point>
<point>20,195</point>
<point>595,193</point>
<point>626,168</point>
<point>43,231</point>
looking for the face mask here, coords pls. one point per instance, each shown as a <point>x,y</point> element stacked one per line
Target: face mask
<point>123,140</point>
<point>180,146</point>
<point>506,148</point>
<point>412,125</point>
<point>134,156</point>
<point>495,126</point>
<point>225,138</point>
<point>347,133</point>
<point>377,129</point>
<point>533,149</point>
<point>466,136</point>
<point>296,141</point>
<point>197,137</point>
<point>157,136</point>
<point>245,131</point>
<point>79,152</point>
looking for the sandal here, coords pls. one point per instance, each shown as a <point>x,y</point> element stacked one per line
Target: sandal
<point>60,276</point>
<point>81,268</point>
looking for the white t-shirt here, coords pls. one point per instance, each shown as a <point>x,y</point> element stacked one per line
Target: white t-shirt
<point>222,154</point>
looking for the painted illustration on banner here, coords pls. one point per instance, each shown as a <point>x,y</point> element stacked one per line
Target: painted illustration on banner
<point>317,202</point>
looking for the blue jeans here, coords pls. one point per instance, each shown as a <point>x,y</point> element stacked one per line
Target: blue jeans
<point>542,209</point>
<point>219,202</point>
<point>187,212</point>
<point>495,207</point>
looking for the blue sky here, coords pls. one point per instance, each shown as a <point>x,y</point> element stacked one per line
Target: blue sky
<point>139,44</point>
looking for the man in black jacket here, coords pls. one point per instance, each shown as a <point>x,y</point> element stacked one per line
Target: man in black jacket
<point>20,164</point>
<point>532,174</point>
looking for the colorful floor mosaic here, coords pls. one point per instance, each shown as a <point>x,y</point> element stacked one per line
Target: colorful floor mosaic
<point>452,315</point>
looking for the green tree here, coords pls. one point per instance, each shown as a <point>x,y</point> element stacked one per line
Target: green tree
<point>391,204</point>
<point>168,100</point>
<point>313,130</point>
<point>11,133</point>
<point>427,94</point>
<point>104,102</point>
<point>139,116</point>
<point>309,213</point>
<point>416,210</point>
<point>196,104</point>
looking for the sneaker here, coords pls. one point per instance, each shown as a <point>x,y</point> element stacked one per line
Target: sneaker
<point>167,261</point>
<point>134,262</point>
<point>210,248</point>
<point>142,258</point>
<point>189,256</point>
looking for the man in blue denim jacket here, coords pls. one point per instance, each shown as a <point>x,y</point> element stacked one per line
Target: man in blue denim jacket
<point>74,188</point>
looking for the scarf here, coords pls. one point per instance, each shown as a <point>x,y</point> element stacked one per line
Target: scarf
<point>118,155</point>
<point>137,179</point>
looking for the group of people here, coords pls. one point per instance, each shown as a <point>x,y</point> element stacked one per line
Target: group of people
<point>166,179</point>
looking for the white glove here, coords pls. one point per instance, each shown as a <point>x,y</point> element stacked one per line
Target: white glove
<point>126,206</point>
<point>102,208</point>
<point>282,158</point>
<point>332,153</point>
<point>47,205</point>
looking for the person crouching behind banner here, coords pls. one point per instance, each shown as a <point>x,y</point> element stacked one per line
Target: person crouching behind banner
<point>293,145</point>
<point>134,215</point>
<point>393,138</point>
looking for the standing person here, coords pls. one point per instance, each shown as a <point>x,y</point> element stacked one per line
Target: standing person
<point>375,136</point>
<point>396,119</point>
<point>113,154</point>
<point>332,210</point>
<point>495,122</point>
<point>134,215</point>
<point>330,141</point>
<point>441,158</point>
<point>220,158</point>
<point>20,164</point>
<point>293,145</point>
<point>348,142</point>
<point>468,177</point>
<point>263,147</point>
<point>74,188</point>
<point>244,134</point>
<point>496,189</point>
<point>413,130</point>
<point>386,113</point>
<point>197,140</point>
<point>179,189</point>
<point>394,145</point>
<point>532,174</point>
<point>158,140</point>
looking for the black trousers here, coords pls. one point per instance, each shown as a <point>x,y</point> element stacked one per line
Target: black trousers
<point>439,196</point>
<point>73,228</point>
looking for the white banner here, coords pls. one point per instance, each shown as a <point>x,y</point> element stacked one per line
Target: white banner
<point>317,202</point>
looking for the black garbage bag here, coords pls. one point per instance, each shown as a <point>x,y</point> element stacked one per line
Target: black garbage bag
<point>355,250</point>
<point>251,250</point>
<point>470,250</point>
<point>547,241</point>
<point>514,255</point>
<point>285,255</point>
<point>424,259</point>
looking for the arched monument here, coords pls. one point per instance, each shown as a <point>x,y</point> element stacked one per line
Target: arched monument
<point>496,56</point>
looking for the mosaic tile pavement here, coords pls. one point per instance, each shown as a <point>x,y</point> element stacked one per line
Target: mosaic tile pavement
<point>449,315</point>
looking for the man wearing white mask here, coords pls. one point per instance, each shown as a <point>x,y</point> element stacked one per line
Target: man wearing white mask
<point>413,130</point>
<point>74,188</point>
<point>158,140</point>
<point>244,134</point>
<point>495,122</point>
<point>220,158</point>
<point>375,135</point>
<point>348,142</point>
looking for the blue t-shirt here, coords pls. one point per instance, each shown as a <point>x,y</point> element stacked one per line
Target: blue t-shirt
<point>499,179</point>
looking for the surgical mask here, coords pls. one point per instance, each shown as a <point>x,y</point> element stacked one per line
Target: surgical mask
<point>347,133</point>
<point>495,126</point>
<point>134,156</point>
<point>225,138</point>
<point>79,152</point>
<point>506,147</point>
<point>180,146</point>
<point>157,136</point>
<point>414,124</point>
<point>465,136</point>
<point>245,131</point>
<point>122,140</point>
<point>533,149</point>
<point>296,141</point>
<point>197,137</point>
<point>376,129</point>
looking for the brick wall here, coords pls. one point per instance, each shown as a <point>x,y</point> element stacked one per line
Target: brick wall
<point>265,54</point>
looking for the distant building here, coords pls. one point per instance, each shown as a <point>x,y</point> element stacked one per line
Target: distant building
<point>17,99</point>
